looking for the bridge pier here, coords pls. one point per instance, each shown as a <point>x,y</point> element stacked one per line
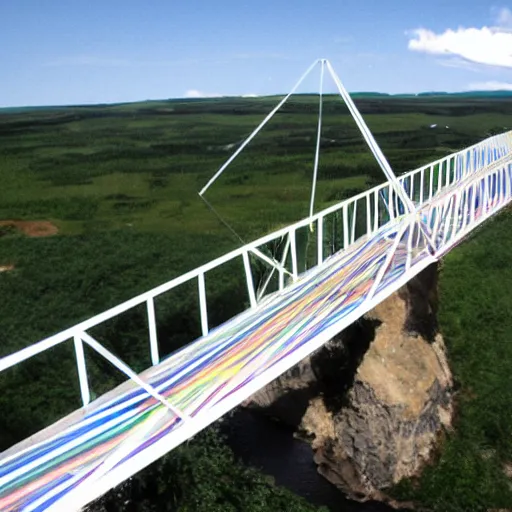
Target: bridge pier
<point>373,401</point>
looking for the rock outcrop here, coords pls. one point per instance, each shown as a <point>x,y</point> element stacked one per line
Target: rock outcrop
<point>373,401</point>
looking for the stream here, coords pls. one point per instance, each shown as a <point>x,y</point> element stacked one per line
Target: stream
<point>271,447</point>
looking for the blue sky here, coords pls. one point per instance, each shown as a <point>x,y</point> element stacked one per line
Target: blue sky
<point>77,51</point>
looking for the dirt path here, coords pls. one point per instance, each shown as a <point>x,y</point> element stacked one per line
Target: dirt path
<point>32,227</point>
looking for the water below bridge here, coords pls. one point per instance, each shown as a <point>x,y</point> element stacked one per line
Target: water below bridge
<point>271,447</point>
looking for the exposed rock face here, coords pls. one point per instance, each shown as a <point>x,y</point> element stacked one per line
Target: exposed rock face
<point>373,401</point>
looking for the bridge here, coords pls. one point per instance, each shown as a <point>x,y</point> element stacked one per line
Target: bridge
<point>364,249</point>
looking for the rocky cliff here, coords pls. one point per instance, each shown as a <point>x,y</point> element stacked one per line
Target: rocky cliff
<point>373,401</point>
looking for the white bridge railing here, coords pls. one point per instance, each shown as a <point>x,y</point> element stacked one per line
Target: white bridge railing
<point>452,195</point>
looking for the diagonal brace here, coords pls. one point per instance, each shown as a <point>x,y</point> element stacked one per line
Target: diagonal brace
<point>120,365</point>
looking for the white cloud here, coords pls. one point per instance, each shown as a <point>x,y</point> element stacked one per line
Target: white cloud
<point>194,93</point>
<point>249,95</point>
<point>484,45</point>
<point>493,85</point>
<point>490,46</point>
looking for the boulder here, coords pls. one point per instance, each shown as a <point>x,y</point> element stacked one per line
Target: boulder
<point>374,401</point>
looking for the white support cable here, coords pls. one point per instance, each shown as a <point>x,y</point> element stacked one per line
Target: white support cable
<point>318,140</point>
<point>370,140</point>
<point>120,365</point>
<point>257,130</point>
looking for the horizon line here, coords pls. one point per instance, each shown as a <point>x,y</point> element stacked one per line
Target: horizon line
<point>490,92</point>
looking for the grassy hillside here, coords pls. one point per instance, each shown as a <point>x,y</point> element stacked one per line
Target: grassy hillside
<point>475,315</point>
<point>103,168</point>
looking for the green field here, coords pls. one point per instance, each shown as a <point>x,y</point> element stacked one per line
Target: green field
<point>141,165</point>
<point>120,183</point>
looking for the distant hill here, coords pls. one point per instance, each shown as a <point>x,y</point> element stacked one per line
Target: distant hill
<point>356,95</point>
<point>469,94</point>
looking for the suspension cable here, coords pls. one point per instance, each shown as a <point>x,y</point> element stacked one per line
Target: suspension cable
<point>256,131</point>
<point>318,137</point>
<point>372,143</point>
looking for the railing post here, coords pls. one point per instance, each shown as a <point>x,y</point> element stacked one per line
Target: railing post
<point>439,214</point>
<point>283,262</point>
<point>501,181</point>
<point>249,279</point>
<point>508,179</point>
<point>293,249</point>
<point>368,215</point>
<point>82,370</point>
<point>448,170</point>
<point>376,204</point>
<point>409,245</point>
<point>398,199</point>
<point>422,185</point>
<point>203,311</point>
<point>354,218</point>
<point>465,208</point>
<point>344,213</point>
<point>153,338</point>
<point>281,279</point>
<point>472,211</point>
<point>320,239</point>
<point>419,234</point>
<point>431,182</point>
<point>485,196</point>
<point>448,218</point>
<point>391,203</point>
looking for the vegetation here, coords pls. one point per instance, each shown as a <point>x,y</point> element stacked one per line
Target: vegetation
<point>219,483</point>
<point>475,317</point>
<point>120,182</point>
